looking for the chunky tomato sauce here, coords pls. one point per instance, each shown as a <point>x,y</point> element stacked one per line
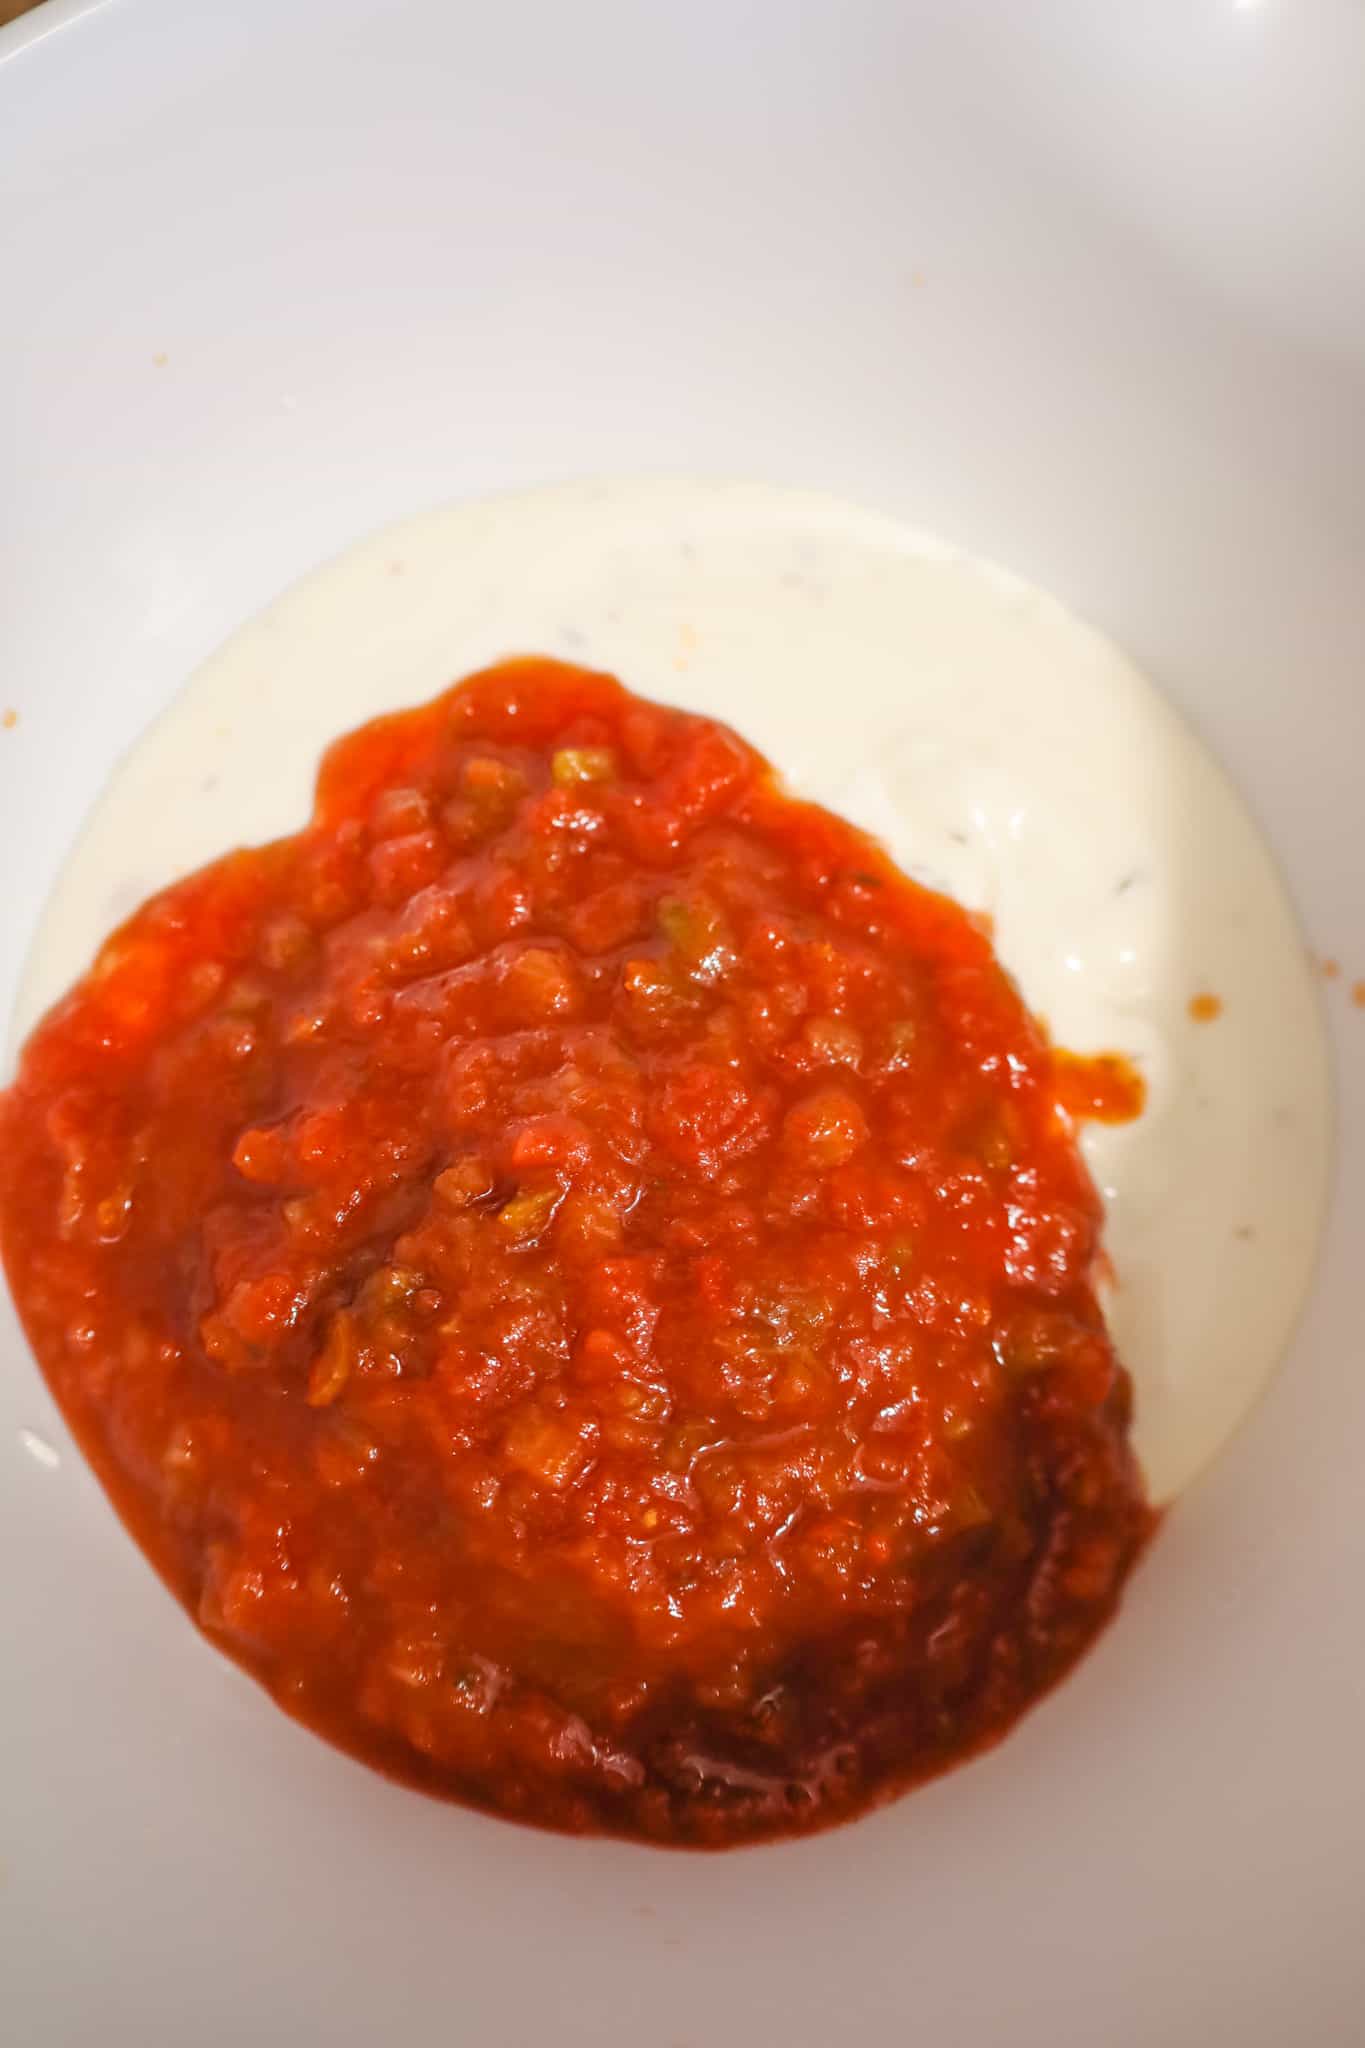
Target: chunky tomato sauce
<point>580,1277</point>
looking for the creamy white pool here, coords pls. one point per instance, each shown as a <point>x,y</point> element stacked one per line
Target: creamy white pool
<point>1003,751</point>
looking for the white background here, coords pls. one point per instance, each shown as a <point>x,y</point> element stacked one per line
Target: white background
<point>1081,286</point>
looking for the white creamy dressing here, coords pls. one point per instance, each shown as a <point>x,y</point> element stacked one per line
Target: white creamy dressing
<point>1001,750</point>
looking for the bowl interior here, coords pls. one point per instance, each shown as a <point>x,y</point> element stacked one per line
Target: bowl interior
<point>286,274</point>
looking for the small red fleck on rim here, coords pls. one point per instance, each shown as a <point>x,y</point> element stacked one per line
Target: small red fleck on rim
<point>1204,1007</point>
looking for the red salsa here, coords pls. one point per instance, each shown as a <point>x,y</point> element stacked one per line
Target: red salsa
<point>580,1277</point>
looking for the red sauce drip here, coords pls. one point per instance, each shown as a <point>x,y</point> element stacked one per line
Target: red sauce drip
<point>1100,1088</point>
<point>571,1268</point>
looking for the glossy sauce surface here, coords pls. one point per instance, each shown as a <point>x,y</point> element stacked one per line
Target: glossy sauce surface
<point>580,1276</point>
<point>1003,752</point>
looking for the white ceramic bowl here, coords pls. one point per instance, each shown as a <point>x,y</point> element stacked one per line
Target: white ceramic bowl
<point>1081,287</point>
